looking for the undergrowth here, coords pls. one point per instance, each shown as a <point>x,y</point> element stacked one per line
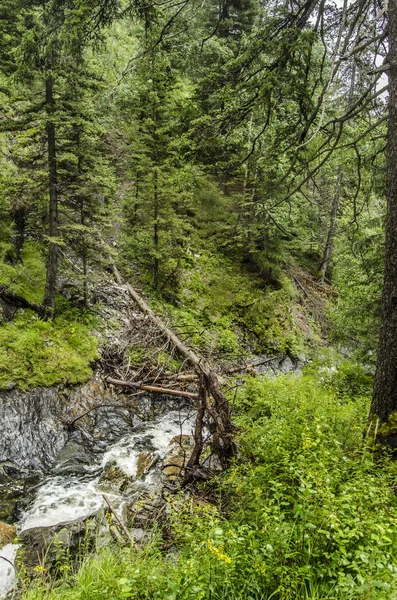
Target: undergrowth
<point>307,512</point>
<point>42,353</point>
<point>34,352</point>
<point>227,311</point>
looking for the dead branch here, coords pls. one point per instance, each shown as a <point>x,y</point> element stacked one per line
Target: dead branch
<point>18,301</point>
<point>119,521</point>
<point>151,388</point>
<point>223,444</point>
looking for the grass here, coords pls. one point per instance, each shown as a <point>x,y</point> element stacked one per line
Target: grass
<point>38,353</point>
<point>307,512</point>
<point>43,353</point>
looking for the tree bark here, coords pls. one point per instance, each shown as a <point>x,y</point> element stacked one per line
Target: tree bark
<point>384,400</point>
<point>52,257</point>
<point>156,229</point>
<point>151,388</point>
<point>332,228</point>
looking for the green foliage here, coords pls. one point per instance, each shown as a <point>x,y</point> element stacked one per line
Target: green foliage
<point>28,276</point>
<point>225,306</point>
<point>43,353</point>
<point>311,515</point>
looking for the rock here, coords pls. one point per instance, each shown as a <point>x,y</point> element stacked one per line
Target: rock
<point>180,450</point>
<point>138,534</point>
<point>302,357</point>
<point>212,463</point>
<point>114,480</point>
<point>112,424</point>
<point>143,509</point>
<point>74,459</point>
<point>287,366</point>
<point>49,544</point>
<point>144,463</point>
<point>11,491</point>
<point>32,431</point>
<point>7,533</point>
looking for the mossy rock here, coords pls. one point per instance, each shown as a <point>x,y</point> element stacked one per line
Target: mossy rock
<point>180,450</point>
<point>114,480</point>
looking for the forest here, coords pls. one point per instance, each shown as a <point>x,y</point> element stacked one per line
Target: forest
<point>198,293</point>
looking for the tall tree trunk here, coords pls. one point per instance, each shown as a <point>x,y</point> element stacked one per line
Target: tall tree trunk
<point>384,400</point>
<point>20,227</point>
<point>52,258</point>
<point>84,254</point>
<point>84,249</point>
<point>332,228</point>
<point>156,230</point>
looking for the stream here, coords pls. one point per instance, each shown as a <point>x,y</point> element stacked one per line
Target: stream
<point>51,473</point>
<point>113,442</point>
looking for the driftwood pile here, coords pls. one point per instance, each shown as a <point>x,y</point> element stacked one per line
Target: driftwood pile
<point>211,402</point>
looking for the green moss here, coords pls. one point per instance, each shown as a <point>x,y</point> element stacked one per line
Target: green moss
<point>224,306</point>
<point>27,277</point>
<point>168,363</point>
<point>227,342</point>
<point>38,353</point>
<point>138,354</point>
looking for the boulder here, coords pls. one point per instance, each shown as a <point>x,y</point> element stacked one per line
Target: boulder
<point>7,533</point>
<point>50,546</point>
<point>145,462</point>
<point>114,480</point>
<point>180,450</point>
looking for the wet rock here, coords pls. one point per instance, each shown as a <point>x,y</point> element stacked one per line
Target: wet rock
<point>145,461</point>
<point>7,533</point>
<point>180,450</point>
<point>112,424</point>
<point>114,480</point>
<point>47,546</point>
<point>74,459</point>
<point>32,431</point>
<point>11,492</point>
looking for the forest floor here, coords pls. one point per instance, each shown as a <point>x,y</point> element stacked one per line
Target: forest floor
<point>306,511</point>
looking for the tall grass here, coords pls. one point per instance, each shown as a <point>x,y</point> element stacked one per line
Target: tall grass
<point>311,512</point>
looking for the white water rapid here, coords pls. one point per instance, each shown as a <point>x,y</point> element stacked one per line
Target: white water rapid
<point>63,498</point>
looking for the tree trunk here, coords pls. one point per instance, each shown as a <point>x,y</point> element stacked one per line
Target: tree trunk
<point>52,258</point>
<point>84,249</point>
<point>156,230</point>
<point>84,254</point>
<point>332,229</point>
<point>20,227</point>
<point>384,400</point>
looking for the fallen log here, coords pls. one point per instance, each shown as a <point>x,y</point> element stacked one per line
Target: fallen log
<point>151,388</point>
<point>17,301</point>
<point>219,410</point>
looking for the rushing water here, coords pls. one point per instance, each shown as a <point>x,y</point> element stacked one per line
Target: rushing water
<point>68,497</point>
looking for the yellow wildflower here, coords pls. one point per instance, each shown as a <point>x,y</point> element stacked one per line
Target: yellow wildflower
<point>39,569</point>
<point>214,550</point>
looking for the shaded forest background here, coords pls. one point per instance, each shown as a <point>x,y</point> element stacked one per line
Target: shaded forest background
<point>231,157</point>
